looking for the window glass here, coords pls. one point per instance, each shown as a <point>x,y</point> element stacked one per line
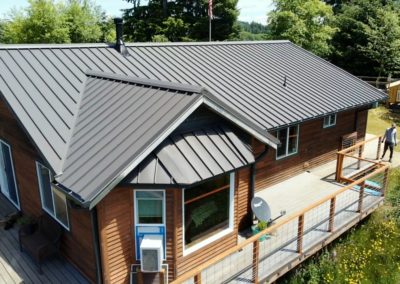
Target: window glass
<point>150,207</point>
<point>7,177</point>
<point>44,180</point>
<point>60,204</point>
<point>53,201</point>
<point>292,141</point>
<point>329,120</point>
<point>206,210</point>
<point>282,136</point>
<point>289,138</point>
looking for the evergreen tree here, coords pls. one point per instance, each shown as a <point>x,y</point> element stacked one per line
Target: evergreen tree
<point>189,18</point>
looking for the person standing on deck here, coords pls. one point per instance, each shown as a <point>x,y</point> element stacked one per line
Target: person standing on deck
<point>390,140</point>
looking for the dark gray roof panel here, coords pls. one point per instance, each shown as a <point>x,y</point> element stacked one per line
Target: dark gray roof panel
<point>116,123</point>
<point>250,78</point>
<point>42,84</point>
<point>183,160</point>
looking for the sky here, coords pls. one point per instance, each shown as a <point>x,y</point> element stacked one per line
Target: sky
<point>250,10</point>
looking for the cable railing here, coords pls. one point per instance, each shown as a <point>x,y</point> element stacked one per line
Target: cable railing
<point>267,254</point>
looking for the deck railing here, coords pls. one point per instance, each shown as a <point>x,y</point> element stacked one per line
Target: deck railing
<point>256,259</point>
<point>358,160</point>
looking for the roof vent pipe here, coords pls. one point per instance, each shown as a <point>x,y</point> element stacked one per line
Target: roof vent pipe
<point>119,45</point>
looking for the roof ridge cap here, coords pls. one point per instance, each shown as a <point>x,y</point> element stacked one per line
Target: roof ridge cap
<point>203,43</point>
<point>147,82</point>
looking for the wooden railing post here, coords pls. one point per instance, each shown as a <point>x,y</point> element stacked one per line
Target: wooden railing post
<point>197,278</point>
<point>385,181</point>
<point>361,197</point>
<point>256,250</point>
<point>360,153</point>
<point>339,167</point>
<point>300,233</point>
<point>332,215</point>
<point>378,151</point>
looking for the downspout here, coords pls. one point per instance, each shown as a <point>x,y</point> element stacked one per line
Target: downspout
<point>253,171</point>
<point>96,242</point>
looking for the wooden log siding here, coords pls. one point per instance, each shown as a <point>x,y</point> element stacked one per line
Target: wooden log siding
<point>317,145</point>
<point>76,245</point>
<point>115,218</point>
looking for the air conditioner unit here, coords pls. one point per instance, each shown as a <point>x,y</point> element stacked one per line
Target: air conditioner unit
<point>151,251</point>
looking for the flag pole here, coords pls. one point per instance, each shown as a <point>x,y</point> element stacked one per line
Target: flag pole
<point>209,26</point>
<point>210,16</point>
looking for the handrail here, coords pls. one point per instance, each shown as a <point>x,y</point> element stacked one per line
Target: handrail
<point>275,226</point>
<point>351,148</point>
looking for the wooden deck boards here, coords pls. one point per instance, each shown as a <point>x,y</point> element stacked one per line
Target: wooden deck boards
<point>17,267</point>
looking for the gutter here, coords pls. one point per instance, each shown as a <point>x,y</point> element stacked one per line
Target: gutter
<point>96,245</point>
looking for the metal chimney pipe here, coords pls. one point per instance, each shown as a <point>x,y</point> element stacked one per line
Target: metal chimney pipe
<point>119,44</point>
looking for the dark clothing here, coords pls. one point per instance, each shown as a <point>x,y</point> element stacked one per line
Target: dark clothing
<point>389,145</point>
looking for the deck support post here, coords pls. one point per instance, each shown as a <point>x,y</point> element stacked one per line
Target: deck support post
<point>197,278</point>
<point>300,233</point>
<point>378,150</point>
<point>256,250</point>
<point>361,197</point>
<point>332,215</point>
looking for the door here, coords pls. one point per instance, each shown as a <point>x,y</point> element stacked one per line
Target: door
<point>8,185</point>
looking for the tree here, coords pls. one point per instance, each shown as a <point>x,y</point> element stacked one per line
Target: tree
<point>47,21</point>
<point>307,23</point>
<point>367,28</point>
<point>383,36</point>
<point>143,22</point>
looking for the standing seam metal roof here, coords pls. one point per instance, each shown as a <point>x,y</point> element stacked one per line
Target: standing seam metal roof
<point>43,84</point>
<point>190,157</point>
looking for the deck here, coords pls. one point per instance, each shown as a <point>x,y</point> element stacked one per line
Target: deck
<point>17,267</point>
<point>318,210</point>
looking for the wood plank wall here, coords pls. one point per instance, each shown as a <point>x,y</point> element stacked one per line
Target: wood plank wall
<point>115,218</point>
<point>317,145</point>
<point>76,245</point>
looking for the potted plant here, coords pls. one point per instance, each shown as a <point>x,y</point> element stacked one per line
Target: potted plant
<point>260,226</point>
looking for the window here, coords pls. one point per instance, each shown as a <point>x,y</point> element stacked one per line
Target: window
<point>208,212</point>
<point>53,201</point>
<point>8,185</point>
<point>149,207</point>
<point>289,138</point>
<point>329,120</point>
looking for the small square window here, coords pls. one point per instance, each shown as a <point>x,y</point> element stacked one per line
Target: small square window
<point>329,120</point>
<point>150,207</point>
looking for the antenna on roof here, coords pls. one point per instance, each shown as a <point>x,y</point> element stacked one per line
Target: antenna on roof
<point>119,45</point>
<point>284,81</point>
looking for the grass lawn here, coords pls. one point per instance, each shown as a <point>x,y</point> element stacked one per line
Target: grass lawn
<point>381,118</point>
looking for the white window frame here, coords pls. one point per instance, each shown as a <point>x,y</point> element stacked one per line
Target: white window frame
<point>219,235</point>
<point>13,171</point>
<point>329,124</point>
<point>53,192</point>
<point>137,212</point>
<point>287,142</point>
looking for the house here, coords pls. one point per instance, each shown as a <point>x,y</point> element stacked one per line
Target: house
<point>166,143</point>
<point>393,92</point>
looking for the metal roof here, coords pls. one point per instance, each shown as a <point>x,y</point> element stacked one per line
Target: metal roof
<point>117,123</point>
<point>44,85</point>
<point>190,157</point>
<point>250,77</point>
